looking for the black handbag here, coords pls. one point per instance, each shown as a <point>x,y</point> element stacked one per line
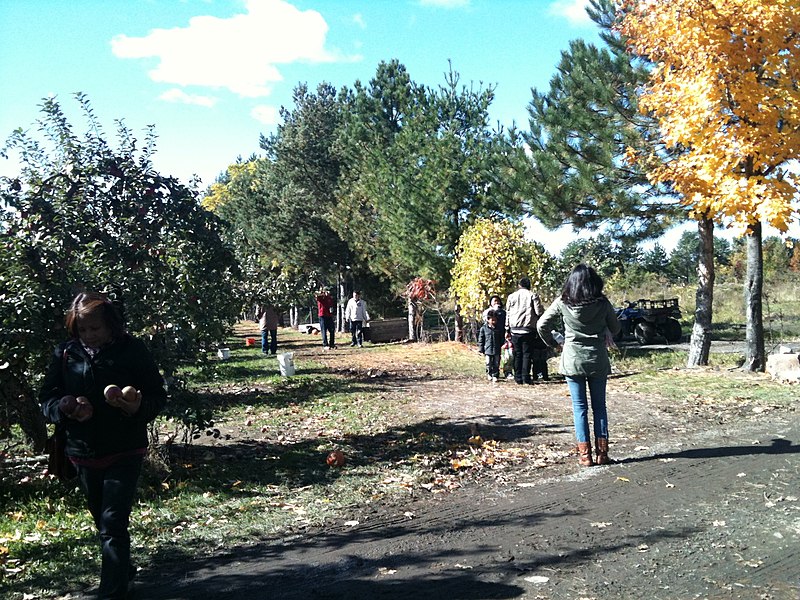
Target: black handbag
<point>58,463</point>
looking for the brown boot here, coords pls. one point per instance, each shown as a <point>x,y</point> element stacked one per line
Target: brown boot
<point>585,454</point>
<point>602,451</point>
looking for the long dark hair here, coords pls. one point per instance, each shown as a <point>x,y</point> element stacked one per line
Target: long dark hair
<point>89,303</point>
<point>583,286</point>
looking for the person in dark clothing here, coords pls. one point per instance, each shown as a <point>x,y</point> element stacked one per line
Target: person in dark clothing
<point>103,387</point>
<point>496,304</point>
<point>490,344</point>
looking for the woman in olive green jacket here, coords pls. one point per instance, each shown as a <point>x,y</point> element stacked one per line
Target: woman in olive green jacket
<point>588,316</point>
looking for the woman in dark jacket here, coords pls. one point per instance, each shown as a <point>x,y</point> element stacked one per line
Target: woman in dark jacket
<point>106,430</point>
<point>588,316</point>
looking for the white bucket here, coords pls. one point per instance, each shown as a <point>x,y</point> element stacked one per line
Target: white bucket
<point>286,364</point>
<point>224,353</point>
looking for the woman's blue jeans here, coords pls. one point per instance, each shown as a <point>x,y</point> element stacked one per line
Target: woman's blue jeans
<point>110,493</point>
<point>580,405</point>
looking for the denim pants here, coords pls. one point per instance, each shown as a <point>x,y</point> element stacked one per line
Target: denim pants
<point>326,326</point>
<point>357,332</point>
<point>110,492</point>
<point>269,341</point>
<point>580,405</point>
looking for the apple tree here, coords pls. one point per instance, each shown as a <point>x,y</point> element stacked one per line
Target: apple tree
<point>85,215</point>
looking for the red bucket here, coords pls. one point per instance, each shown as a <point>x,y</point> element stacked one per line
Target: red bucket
<point>249,341</point>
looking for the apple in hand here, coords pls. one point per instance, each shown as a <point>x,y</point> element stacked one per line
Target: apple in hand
<point>129,400</point>
<point>83,409</point>
<point>112,394</point>
<point>67,405</point>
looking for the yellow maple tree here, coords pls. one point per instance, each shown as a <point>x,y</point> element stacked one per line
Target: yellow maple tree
<point>725,92</point>
<point>491,256</point>
<point>219,193</point>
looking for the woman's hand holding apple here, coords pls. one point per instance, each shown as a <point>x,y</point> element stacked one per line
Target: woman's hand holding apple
<point>67,405</point>
<point>131,400</point>
<point>79,409</point>
<point>83,410</point>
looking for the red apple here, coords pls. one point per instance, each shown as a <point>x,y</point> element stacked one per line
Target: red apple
<point>68,404</point>
<point>336,459</point>
<point>112,394</point>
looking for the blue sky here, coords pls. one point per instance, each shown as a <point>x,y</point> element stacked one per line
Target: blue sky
<point>212,74</point>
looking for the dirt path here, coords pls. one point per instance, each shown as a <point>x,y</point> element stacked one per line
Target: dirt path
<point>716,516</point>
<point>701,503</point>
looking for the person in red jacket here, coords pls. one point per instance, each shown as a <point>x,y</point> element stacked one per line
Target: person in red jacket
<point>327,326</point>
<point>103,387</point>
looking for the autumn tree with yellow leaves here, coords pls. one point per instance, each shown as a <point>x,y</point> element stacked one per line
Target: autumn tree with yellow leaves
<point>491,257</point>
<point>725,92</point>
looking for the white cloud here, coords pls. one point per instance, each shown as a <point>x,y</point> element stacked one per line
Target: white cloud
<point>176,95</point>
<point>268,115</point>
<point>358,19</point>
<point>573,10</point>
<point>445,3</point>
<point>241,53</point>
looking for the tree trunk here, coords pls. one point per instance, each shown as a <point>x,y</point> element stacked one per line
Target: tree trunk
<point>20,406</point>
<point>340,305</point>
<point>293,312</point>
<point>754,288</point>
<point>700,344</point>
<point>412,321</point>
<point>459,333</point>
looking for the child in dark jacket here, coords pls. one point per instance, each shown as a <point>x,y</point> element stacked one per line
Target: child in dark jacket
<point>490,344</point>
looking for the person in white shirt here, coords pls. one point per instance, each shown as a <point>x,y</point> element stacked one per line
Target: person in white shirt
<point>356,313</point>
<point>523,308</point>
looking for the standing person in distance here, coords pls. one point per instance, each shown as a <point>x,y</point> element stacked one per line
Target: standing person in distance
<point>490,344</point>
<point>268,324</point>
<point>106,433</point>
<point>523,308</point>
<point>327,327</point>
<point>356,313</point>
<point>587,316</point>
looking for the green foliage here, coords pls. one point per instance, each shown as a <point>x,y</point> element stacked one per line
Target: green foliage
<point>278,210</point>
<point>297,185</point>
<point>491,258</point>
<point>85,215</point>
<point>585,133</point>
<point>605,254</point>
<point>682,266</point>
<point>420,167</point>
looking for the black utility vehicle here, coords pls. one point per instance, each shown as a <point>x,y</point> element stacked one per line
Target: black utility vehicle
<point>645,319</point>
